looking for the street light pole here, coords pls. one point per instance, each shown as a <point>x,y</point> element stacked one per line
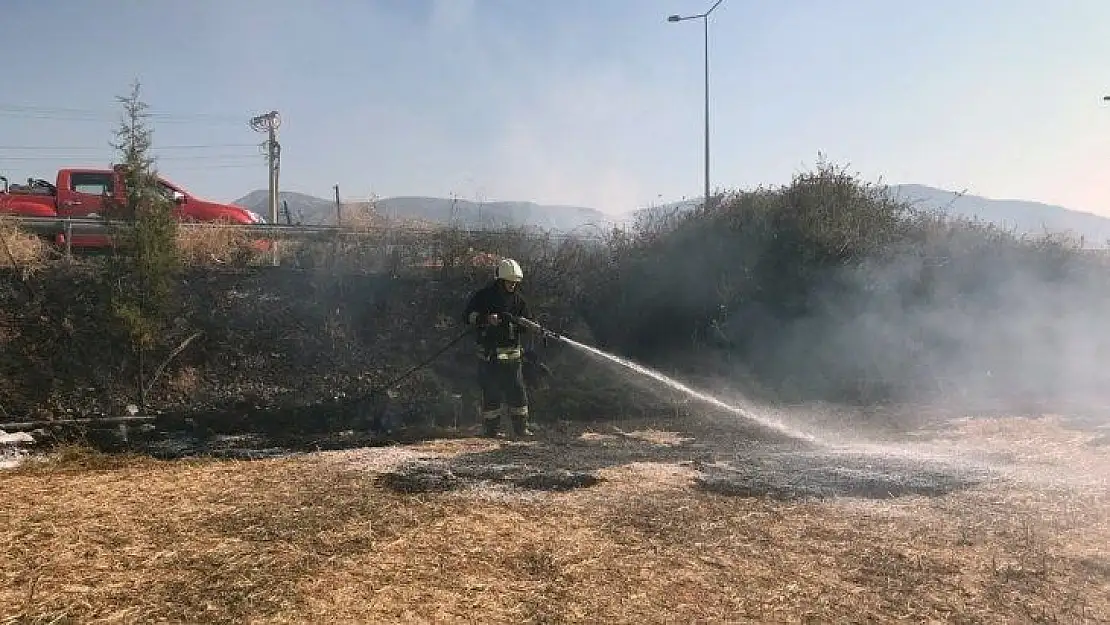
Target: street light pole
<point>704,17</point>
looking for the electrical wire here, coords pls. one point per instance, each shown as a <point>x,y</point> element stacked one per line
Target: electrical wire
<point>109,156</point>
<point>157,147</point>
<point>77,114</point>
<point>216,166</point>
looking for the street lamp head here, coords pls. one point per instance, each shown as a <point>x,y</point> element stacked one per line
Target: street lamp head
<point>674,18</point>
<point>1106,98</point>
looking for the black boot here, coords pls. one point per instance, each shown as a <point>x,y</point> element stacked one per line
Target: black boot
<point>520,427</point>
<point>491,426</point>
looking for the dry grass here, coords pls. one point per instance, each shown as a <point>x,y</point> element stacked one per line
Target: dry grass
<point>313,540</point>
<point>186,381</point>
<point>208,243</point>
<point>18,248</point>
<point>364,216</point>
<point>361,216</point>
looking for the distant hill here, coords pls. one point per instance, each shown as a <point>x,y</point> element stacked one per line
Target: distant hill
<point>307,209</point>
<point>1022,216</point>
<point>303,208</point>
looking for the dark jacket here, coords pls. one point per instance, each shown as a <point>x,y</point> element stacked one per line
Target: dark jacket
<point>494,299</point>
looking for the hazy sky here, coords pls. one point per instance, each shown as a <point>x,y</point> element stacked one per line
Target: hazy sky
<point>590,102</point>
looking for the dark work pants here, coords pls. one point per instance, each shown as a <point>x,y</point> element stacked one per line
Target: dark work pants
<point>502,382</point>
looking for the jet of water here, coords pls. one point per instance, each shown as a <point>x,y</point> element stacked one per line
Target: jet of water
<point>705,397</point>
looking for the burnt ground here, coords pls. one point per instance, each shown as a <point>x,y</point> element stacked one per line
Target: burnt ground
<point>726,463</point>
<point>728,456</point>
<point>779,473</point>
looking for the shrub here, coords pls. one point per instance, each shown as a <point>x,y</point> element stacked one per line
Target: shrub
<point>829,288</point>
<point>146,258</point>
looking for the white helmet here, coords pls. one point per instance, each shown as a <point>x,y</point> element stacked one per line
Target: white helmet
<point>509,269</point>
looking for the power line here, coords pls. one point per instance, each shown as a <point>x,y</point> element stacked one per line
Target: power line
<point>39,148</point>
<point>208,167</point>
<point>109,156</point>
<point>215,166</point>
<point>208,158</point>
<point>93,115</point>
<point>52,110</point>
<point>104,120</point>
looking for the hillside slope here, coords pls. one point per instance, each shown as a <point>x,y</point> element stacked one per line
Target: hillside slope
<point>308,209</point>
<point>1020,215</point>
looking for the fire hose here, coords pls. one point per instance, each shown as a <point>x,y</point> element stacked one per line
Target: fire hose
<point>530,359</point>
<point>532,326</point>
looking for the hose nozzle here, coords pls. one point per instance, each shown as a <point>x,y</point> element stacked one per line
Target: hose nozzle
<point>532,326</point>
<point>527,323</point>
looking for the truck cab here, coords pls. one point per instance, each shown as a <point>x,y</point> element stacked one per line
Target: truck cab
<point>82,193</point>
<point>85,192</point>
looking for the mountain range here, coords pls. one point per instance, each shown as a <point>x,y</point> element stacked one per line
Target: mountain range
<point>1019,215</point>
<point>1023,216</point>
<point>308,209</point>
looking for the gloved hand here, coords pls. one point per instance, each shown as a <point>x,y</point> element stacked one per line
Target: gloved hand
<point>493,319</point>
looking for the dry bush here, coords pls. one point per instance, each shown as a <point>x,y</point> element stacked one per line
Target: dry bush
<point>21,250</point>
<point>361,216</point>
<point>185,381</point>
<point>207,243</point>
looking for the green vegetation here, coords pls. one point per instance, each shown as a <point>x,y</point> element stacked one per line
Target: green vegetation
<point>147,259</point>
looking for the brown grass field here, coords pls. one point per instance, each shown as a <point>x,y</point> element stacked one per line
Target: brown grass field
<point>319,538</point>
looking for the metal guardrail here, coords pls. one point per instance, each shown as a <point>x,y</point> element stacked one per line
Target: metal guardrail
<point>79,226</point>
<point>95,226</point>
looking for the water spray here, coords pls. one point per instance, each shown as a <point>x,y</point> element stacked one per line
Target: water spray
<point>663,379</point>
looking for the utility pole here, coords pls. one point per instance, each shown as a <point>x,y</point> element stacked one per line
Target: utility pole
<point>338,208</point>
<point>269,123</point>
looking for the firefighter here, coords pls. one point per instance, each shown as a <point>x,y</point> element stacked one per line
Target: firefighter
<point>500,352</point>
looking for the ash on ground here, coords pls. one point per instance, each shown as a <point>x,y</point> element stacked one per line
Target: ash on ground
<point>14,448</point>
<point>737,467</point>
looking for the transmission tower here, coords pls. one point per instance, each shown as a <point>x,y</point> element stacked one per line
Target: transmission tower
<point>269,123</point>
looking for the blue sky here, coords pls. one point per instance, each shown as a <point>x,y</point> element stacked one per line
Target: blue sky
<point>595,103</point>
